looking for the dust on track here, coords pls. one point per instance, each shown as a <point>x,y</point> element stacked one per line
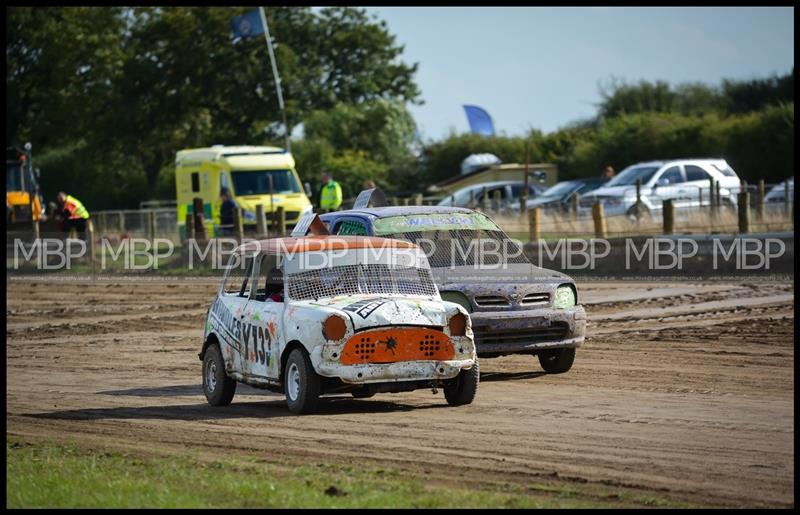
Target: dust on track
<point>682,391</point>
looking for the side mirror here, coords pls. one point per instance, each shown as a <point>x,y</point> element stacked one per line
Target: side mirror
<point>307,187</point>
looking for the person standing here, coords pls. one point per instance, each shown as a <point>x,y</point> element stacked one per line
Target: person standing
<point>330,195</point>
<point>608,173</point>
<point>226,212</point>
<point>75,214</point>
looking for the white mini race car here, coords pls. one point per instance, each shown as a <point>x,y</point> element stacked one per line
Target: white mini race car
<point>335,314</point>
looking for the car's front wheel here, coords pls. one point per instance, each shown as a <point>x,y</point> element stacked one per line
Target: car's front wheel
<point>218,387</point>
<point>301,383</point>
<point>557,361</point>
<point>462,389</point>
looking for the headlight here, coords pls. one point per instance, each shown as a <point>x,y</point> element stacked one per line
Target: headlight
<point>334,328</point>
<point>458,324</point>
<point>457,298</point>
<point>565,298</point>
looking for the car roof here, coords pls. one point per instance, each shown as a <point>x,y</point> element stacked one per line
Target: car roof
<point>490,184</point>
<point>662,162</point>
<point>321,243</point>
<point>386,211</point>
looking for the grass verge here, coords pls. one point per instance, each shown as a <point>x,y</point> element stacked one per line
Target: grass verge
<point>64,475</point>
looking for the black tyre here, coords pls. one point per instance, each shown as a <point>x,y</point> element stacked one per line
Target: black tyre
<point>557,361</point>
<point>218,387</point>
<point>462,389</point>
<point>641,213</point>
<point>301,384</point>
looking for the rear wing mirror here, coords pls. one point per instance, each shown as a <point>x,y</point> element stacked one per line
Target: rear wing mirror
<point>373,197</point>
<point>311,223</point>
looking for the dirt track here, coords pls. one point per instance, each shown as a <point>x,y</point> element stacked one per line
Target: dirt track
<point>682,391</point>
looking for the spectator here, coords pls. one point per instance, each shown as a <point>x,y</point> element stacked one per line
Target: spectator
<point>608,173</point>
<point>330,194</point>
<point>226,212</point>
<point>368,185</point>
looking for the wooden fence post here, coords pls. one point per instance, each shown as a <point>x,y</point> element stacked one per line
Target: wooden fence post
<point>535,227</point>
<point>261,222</point>
<point>719,196</point>
<point>281,214</point>
<point>712,201</point>
<point>199,226</point>
<point>638,199</point>
<point>744,212</point>
<point>599,220</point>
<point>151,225</point>
<point>760,201</point>
<point>787,207</point>
<point>36,229</point>
<point>496,200</point>
<point>189,227</point>
<point>669,218</point>
<point>238,224</point>
<point>90,240</point>
<point>576,202</point>
<point>485,201</point>
<point>418,199</point>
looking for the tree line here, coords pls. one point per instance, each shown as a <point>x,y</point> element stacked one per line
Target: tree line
<point>108,95</point>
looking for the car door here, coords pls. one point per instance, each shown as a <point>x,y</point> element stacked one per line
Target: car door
<point>262,325</point>
<point>233,297</point>
<point>697,183</point>
<point>669,185</point>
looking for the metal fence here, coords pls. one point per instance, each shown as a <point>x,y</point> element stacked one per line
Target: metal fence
<point>137,223</point>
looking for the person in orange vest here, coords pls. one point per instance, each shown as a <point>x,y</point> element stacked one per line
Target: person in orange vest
<point>75,214</point>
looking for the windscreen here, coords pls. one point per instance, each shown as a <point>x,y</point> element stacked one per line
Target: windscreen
<point>257,182</point>
<point>629,176</point>
<point>361,279</point>
<point>558,190</point>
<point>453,239</point>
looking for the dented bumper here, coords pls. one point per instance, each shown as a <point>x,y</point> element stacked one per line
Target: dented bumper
<point>391,372</point>
<point>509,332</point>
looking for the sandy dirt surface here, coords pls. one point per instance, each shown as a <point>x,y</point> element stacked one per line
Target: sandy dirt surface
<point>682,391</point>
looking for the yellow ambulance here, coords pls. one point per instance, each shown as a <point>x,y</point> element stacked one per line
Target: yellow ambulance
<point>253,175</point>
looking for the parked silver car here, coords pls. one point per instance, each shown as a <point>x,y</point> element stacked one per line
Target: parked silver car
<point>472,195</point>
<point>685,181</point>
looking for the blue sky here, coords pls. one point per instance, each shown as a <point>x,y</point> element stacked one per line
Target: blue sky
<point>540,67</point>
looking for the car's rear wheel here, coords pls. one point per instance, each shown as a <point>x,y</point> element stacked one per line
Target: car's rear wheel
<point>301,383</point>
<point>557,361</point>
<point>462,389</point>
<point>218,387</point>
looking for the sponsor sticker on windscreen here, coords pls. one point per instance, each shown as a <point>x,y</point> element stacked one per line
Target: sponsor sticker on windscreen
<point>433,222</point>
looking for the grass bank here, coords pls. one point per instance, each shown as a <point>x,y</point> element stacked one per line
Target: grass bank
<point>65,475</point>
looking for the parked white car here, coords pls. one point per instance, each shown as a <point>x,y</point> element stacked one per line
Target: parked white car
<point>682,180</point>
<point>335,314</point>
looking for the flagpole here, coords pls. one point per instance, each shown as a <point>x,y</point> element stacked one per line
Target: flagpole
<point>277,78</point>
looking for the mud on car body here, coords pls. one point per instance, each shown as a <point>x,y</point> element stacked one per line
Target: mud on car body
<point>515,306</point>
<point>324,314</point>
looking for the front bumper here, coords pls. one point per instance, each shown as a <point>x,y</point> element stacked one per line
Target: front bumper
<point>510,332</point>
<point>393,372</point>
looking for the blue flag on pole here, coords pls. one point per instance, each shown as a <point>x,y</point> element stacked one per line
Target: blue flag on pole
<point>249,24</point>
<point>479,120</point>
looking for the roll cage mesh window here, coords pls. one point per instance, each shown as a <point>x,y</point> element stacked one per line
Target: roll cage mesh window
<point>375,279</point>
<point>464,247</point>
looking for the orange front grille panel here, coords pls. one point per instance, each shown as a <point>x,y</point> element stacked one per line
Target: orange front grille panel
<point>397,344</point>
